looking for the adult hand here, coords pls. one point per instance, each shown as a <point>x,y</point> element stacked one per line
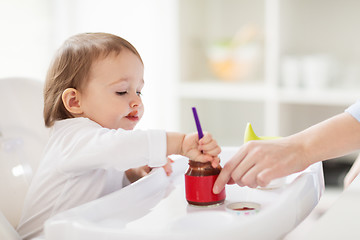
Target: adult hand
<point>258,162</point>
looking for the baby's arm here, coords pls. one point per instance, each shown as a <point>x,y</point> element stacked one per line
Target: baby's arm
<point>183,144</point>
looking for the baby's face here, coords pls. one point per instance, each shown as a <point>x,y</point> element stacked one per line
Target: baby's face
<point>111,96</point>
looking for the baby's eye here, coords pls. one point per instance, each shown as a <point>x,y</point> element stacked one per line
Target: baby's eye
<point>139,93</point>
<point>121,93</point>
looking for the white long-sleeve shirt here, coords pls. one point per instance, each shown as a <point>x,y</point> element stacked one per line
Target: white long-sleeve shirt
<point>354,110</point>
<point>82,162</point>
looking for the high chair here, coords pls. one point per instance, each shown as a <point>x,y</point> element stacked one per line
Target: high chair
<point>22,138</point>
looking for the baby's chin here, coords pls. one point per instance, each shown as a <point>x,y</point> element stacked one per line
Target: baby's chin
<point>127,127</point>
<point>119,126</point>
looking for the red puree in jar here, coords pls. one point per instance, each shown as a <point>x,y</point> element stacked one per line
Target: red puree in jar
<point>199,182</point>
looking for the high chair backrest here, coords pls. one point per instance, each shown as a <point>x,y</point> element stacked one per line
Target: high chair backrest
<point>22,139</point>
<point>7,231</point>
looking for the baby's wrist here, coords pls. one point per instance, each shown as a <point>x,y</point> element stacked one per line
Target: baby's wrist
<point>182,143</point>
<point>175,143</point>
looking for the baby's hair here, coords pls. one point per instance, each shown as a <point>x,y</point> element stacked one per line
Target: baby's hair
<point>71,65</point>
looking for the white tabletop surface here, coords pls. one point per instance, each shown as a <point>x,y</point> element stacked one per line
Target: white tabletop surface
<point>155,208</point>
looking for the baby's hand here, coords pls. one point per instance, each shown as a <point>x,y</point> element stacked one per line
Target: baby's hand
<point>168,167</point>
<point>134,174</point>
<point>204,150</point>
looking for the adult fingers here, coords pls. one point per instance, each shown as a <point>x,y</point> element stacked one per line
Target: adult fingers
<point>249,178</point>
<point>267,175</point>
<point>231,181</point>
<point>244,173</point>
<point>221,180</point>
<point>226,173</point>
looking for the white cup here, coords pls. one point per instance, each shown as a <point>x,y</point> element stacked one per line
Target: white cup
<point>318,71</point>
<point>291,72</point>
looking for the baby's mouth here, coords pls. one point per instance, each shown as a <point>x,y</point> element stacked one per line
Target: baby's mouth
<point>133,116</point>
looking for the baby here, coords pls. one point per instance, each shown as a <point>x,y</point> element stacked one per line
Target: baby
<point>92,102</point>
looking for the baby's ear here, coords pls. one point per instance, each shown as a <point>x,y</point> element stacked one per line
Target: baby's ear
<point>71,100</point>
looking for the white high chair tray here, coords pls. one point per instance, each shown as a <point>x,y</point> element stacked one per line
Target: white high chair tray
<point>155,208</point>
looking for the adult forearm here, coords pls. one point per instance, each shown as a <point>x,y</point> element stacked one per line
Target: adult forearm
<point>331,138</point>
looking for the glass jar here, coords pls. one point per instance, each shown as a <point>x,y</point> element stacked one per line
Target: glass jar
<point>199,182</point>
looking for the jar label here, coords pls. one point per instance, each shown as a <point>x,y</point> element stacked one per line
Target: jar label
<point>199,189</point>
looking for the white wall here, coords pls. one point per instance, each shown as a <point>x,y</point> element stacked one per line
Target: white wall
<point>25,38</point>
<point>33,29</point>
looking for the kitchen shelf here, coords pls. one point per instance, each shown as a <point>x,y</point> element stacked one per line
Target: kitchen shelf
<point>257,92</point>
<point>222,91</point>
<point>266,98</point>
<point>329,97</point>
